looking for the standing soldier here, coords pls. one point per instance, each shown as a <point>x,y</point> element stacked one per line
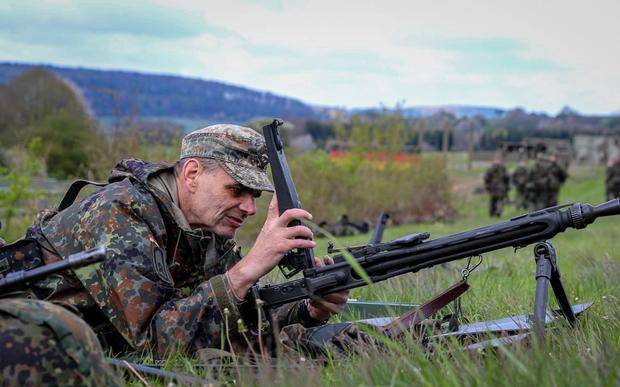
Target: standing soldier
<point>612,178</point>
<point>557,177</point>
<point>496,182</point>
<point>519,180</point>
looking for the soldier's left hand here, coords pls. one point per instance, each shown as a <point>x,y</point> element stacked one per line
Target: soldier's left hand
<point>329,304</point>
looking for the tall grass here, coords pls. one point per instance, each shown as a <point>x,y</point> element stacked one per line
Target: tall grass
<point>504,285</point>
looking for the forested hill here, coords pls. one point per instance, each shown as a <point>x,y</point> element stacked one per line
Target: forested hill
<point>124,94</point>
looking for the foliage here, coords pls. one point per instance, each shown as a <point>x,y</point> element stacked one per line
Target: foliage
<point>66,148</point>
<point>410,191</point>
<point>19,191</point>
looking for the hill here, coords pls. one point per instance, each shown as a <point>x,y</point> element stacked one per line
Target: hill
<point>112,94</point>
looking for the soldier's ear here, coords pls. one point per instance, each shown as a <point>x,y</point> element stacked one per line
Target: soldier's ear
<point>191,171</point>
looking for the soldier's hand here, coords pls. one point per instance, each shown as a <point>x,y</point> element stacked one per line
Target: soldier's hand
<point>274,240</point>
<point>329,304</point>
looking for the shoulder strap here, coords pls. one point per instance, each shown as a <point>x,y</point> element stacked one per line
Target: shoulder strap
<point>74,190</point>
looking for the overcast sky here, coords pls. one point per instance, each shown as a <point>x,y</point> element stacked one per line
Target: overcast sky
<point>540,55</point>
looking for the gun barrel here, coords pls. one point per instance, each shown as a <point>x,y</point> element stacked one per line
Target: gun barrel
<point>73,261</point>
<point>580,215</point>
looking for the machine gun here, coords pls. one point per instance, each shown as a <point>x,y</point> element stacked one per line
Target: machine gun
<point>73,261</point>
<point>414,252</point>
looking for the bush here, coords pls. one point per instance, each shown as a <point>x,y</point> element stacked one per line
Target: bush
<point>416,190</point>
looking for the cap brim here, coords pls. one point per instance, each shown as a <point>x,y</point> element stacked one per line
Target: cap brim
<point>248,177</point>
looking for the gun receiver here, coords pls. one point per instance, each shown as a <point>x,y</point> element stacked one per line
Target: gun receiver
<point>294,261</point>
<point>74,261</point>
<point>412,253</point>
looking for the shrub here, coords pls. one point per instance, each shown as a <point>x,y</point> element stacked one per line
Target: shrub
<point>416,190</point>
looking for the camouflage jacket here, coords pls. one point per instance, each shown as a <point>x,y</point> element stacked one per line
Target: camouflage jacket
<point>496,180</point>
<point>520,177</point>
<point>547,175</point>
<point>612,175</point>
<point>159,287</point>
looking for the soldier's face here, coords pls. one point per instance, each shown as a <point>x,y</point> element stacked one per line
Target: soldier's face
<point>220,204</point>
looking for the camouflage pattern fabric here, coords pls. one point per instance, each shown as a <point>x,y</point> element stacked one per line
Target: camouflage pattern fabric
<point>46,345</point>
<point>496,182</point>
<point>612,180</point>
<point>546,178</point>
<point>240,151</point>
<point>161,287</point>
<point>519,180</point>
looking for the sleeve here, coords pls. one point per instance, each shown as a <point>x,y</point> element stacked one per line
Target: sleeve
<point>295,313</point>
<point>134,288</point>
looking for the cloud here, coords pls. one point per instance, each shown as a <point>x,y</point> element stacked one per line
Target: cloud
<point>538,55</point>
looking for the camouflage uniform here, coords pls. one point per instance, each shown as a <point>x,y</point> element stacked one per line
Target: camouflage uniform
<point>161,286</point>
<point>546,177</point>
<point>496,182</point>
<point>46,345</point>
<point>519,180</point>
<point>558,176</point>
<point>612,180</point>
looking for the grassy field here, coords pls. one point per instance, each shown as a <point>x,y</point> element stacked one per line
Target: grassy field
<point>504,285</point>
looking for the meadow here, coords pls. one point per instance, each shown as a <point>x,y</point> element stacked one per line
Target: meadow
<point>504,285</point>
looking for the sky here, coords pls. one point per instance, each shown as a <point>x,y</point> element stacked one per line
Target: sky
<point>538,55</point>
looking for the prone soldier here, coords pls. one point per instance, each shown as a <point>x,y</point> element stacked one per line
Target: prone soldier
<point>46,345</point>
<point>496,182</point>
<point>174,277</point>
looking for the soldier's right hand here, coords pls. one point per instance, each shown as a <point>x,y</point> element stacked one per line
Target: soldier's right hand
<point>274,240</point>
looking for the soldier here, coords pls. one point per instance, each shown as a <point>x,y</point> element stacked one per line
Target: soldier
<point>173,275</point>
<point>519,180</point>
<point>557,177</point>
<point>496,182</point>
<point>46,345</point>
<point>344,227</point>
<point>612,178</point>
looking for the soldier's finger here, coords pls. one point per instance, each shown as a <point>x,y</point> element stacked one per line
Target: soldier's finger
<point>326,306</point>
<point>327,260</point>
<point>294,213</point>
<point>298,232</point>
<point>336,298</point>
<point>300,244</point>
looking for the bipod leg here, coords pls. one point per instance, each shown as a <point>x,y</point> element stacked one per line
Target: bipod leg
<point>543,276</point>
<point>547,271</point>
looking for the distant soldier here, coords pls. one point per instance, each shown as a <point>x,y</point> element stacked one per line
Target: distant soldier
<point>519,180</point>
<point>546,179</point>
<point>612,178</point>
<point>496,182</point>
<point>344,227</point>
<point>557,177</point>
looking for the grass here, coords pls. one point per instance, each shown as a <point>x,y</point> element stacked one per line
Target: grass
<point>504,285</point>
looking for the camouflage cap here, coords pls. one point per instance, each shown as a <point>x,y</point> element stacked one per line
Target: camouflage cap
<point>239,150</point>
